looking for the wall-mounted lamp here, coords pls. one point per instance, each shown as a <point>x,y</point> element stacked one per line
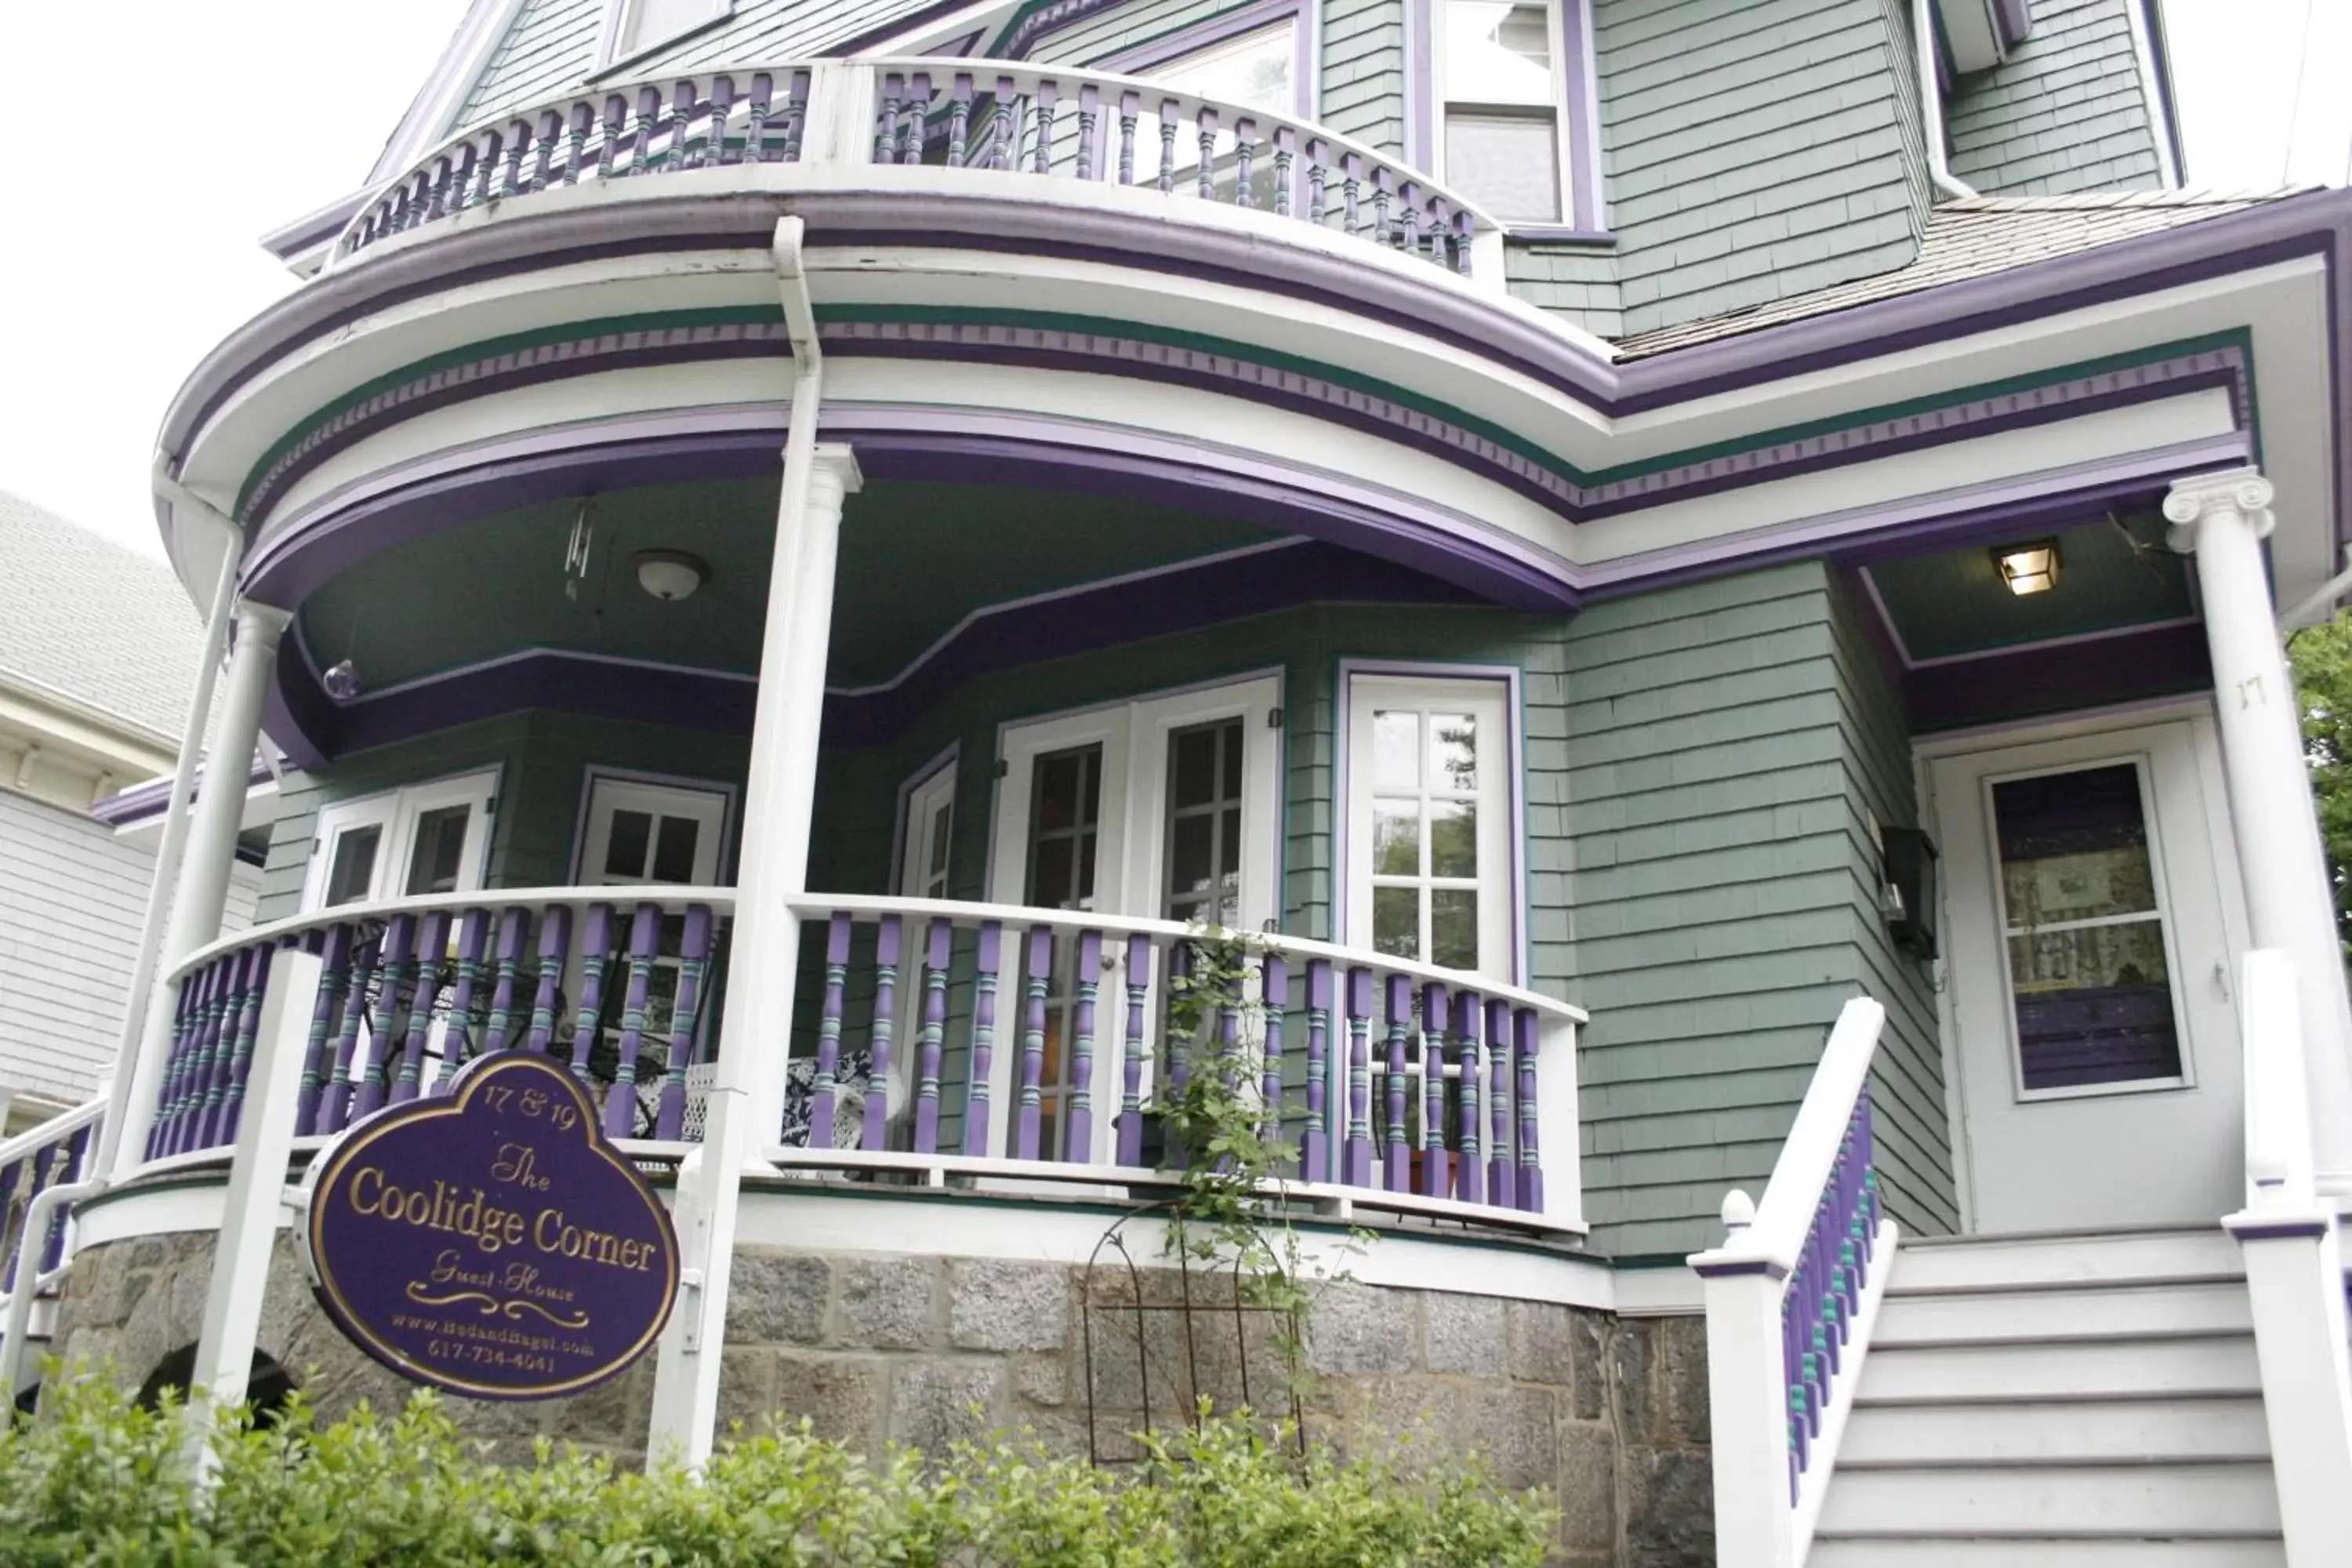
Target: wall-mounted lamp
<point>669,574</point>
<point>2029,568</point>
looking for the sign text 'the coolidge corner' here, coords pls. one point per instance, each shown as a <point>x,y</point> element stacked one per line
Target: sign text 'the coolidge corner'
<point>492,1242</point>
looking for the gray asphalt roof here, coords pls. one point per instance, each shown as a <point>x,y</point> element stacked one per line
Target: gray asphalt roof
<point>1972,237</point>
<point>85,618</point>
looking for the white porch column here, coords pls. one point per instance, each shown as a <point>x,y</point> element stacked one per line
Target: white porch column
<point>212,849</point>
<point>2224,518</point>
<point>746,1109</point>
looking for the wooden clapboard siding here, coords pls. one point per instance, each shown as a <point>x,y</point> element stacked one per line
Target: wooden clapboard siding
<point>1575,281</point>
<point>1728,745</point>
<point>72,897</point>
<point>2067,111</point>
<point>1752,151</point>
<point>1363,72</point>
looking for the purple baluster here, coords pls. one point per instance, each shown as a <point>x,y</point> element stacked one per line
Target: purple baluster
<point>514,936</point>
<point>467,169</point>
<point>1048,99</point>
<point>722,108</point>
<point>74,1164</point>
<point>438,192</point>
<point>374,1085</point>
<point>1435,1178</point>
<point>1525,1034</point>
<point>1319,164</point>
<point>1207,172</point>
<point>1036,973</point>
<point>641,130</point>
<point>335,1098</point>
<point>1314,1154</point>
<point>240,1064</point>
<point>616,120</point>
<point>755,118</point>
<point>795,116</point>
<point>187,1007</point>
<point>1359,1078</point>
<point>685,1011</point>
<point>979,1061</point>
<point>1470,1170</point>
<point>823,1090</point>
<point>1351,172</point>
<point>1169,111</point>
<point>457,1041</point>
<point>1089,113</point>
<point>874,1134</point>
<point>202,1083</point>
<point>1502,1170</point>
<point>935,941</point>
<point>1285,152</point>
<point>886,121</point>
<point>1079,1146</point>
<point>334,966</point>
<point>1275,985</point>
<point>1003,125</point>
<point>959,120</point>
<point>1129,104</point>
<point>1464,230</point>
<point>554,946</point>
<point>918,112</point>
<point>1244,153</point>
<point>432,948</point>
<point>645,945</point>
<point>1400,1149</point>
<point>680,153</point>
<point>1409,219</point>
<point>519,143</point>
<point>1135,981</point>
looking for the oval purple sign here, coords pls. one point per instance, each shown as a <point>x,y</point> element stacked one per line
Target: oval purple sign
<point>491,1242</point>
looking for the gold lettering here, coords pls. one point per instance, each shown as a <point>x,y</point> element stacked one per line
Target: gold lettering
<point>364,1205</point>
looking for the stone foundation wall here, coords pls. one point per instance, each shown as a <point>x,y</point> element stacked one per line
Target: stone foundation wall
<point>1609,1413</point>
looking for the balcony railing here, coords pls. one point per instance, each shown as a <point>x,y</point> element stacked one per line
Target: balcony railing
<point>931,1039</point>
<point>996,119</point>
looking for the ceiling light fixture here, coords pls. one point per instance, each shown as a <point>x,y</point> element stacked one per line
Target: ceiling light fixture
<point>2029,568</point>
<point>669,574</point>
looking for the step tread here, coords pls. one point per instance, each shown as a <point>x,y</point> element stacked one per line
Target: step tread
<point>1925,1550</point>
<point>2055,1500</point>
<point>1988,1262</point>
<point>2041,1431</point>
<point>2061,1370</point>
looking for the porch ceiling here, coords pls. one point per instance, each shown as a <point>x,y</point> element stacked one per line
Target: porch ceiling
<point>916,559</point>
<point>2114,576</point>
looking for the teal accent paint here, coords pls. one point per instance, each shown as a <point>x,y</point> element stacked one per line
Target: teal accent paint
<point>2067,112</point>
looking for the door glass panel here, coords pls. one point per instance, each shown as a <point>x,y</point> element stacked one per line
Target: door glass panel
<point>1204,820</point>
<point>1396,750</point>
<point>625,850</point>
<point>1396,922</point>
<point>1453,837</point>
<point>1454,751</point>
<point>439,851</point>
<point>2089,980</point>
<point>1396,837</point>
<point>674,849</point>
<point>935,872</point>
<point>1454,928</point>
<point>353,871</point>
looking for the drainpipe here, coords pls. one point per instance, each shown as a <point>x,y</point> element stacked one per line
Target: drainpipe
<point>745,1112</point>
<point>1931,101</point>
<point>176,813</point>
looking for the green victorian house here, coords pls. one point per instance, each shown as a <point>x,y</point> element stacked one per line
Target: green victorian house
<point>1701,581</point>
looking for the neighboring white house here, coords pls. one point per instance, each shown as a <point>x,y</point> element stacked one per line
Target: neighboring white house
<point>98,656</point>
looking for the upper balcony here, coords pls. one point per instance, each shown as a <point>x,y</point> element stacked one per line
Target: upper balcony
<point>940,125</point>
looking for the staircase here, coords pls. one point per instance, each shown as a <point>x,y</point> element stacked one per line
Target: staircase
<point>2058,1401</point>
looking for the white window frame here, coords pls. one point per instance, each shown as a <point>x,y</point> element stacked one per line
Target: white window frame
<point>1564,139</point>
<point>919,800</point>
<point>1489,693</point>
<point>689,796</point>
<point>396,813</point>
<point>2142,765</point>
<point>615,26</point>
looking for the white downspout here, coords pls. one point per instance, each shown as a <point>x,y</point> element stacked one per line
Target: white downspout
<point>177,813</point>
<point>1931,102</point>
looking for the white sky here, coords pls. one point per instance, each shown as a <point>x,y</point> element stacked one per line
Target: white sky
<point>131,200</point>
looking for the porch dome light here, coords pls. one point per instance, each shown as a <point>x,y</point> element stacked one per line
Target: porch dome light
<point>669,574</point>
<point>2029,568</point>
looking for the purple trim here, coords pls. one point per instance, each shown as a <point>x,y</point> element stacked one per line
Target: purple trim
<point>1419,91</point>
<point>1539,233</point>
<point>140,802</point>
<point>2281,1230</point>
<point>1733,1271</point>
<point>2013,20</point>
<point>1586,206</point>
<point>2126,669</point>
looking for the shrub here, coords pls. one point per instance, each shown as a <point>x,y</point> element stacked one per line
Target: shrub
<point>98,1480</point>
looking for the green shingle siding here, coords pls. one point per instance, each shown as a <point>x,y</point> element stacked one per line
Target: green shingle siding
<point>1752,151</point>
<point>1729,742</point>
<point>1363,72</point>
<point>2067,112</point>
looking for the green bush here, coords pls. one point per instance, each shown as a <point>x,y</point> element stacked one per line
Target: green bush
<point>97,1480</point>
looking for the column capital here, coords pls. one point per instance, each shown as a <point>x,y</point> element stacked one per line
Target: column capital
<point>2243,491</point>
<point>258,619</point>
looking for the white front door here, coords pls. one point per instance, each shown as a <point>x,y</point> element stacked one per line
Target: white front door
<point>1166,809</point>
<point>2093,923</point>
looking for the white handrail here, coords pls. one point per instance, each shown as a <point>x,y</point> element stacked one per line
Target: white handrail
<point>55,1131</point>
<point>1777,1234</point>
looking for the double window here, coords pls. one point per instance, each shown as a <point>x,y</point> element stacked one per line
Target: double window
<point>428,839</point>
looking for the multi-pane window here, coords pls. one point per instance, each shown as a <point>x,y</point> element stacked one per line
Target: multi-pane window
<point>1430,793</point>
<point>1500,112</point>
<point>1066,808</point>
<point>2090,975</point>
<point>1256,70</point>
<point>927,831</point>
<point>428,839</point>
<point>1204,824</point>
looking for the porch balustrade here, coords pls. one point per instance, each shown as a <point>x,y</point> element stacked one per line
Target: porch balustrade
<point>995,121</point>
<point>57,1154</point>
<point>922,1043</point>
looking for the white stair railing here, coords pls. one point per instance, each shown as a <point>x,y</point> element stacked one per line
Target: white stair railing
<point>2295,1274</point>
<point>1791,1296</point>
<point>43,1172</point>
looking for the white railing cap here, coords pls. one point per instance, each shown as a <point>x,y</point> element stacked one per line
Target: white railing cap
<point>55,1129</point>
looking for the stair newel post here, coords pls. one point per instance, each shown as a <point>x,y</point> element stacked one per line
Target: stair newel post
<point>1748,1393</point>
